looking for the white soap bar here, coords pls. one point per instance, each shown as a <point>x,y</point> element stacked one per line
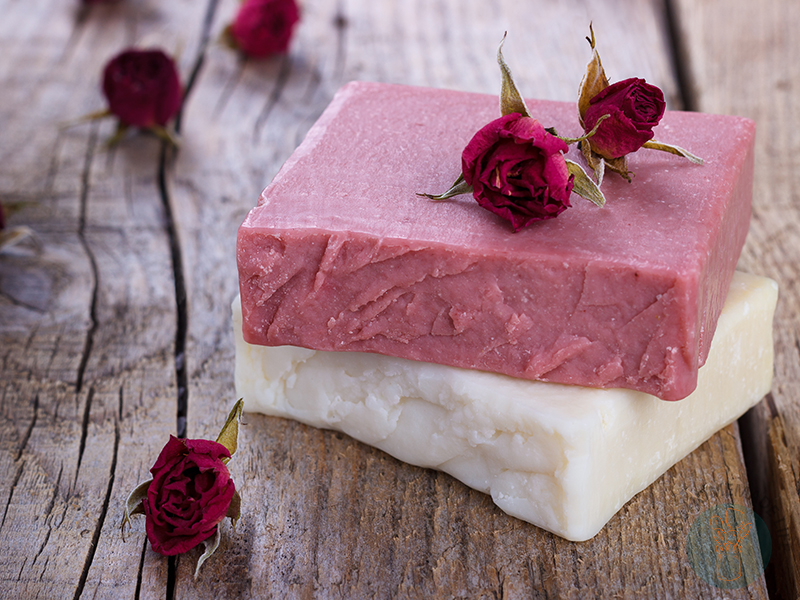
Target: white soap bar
<point>564,458</point>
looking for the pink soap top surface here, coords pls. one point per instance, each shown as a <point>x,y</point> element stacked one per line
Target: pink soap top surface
<point>342,254</point>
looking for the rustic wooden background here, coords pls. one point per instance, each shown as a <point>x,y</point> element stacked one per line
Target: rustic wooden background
<point>115,328</point>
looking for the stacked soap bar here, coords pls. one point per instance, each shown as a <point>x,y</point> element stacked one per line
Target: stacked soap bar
<point>565,458</point>
<point>342,254</point>
<point>429,329</point>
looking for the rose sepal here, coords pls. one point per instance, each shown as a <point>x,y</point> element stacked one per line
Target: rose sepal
<point>672,149</point>
<point>235,509</point>
<point>619,166</point>
<point>593,82</point>
<point>510,99</point>
<point>226,38</point>
<point>165,135</point>
<point>584,186</point>
<point>458,188</point>
<point>14,235</point>
<point>210,545</point>
<point>229,434</point>
<point>134,503</point>
<point>598,164</point>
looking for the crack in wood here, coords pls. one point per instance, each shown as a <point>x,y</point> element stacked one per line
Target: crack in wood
<point>120,404</point>
<point>137,592</point>
<point>22,569</point>
<point>48,512</point>
<point>340,22</point>
<point>180,296</point>
<point>87,409</point>
<point>172,233</point>
<point>52,169</point>
<point>84,196</point>
<point>274,97</point>
<point>679,57</point>
<point>102,518</point>
<point>205,37</point>
<point>20,303</point>
<point>172,576</point>
<point>27,435</point>
<point>227,89</point>
<point>17,477</point>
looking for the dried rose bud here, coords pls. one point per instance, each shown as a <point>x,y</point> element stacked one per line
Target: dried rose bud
<point>142,88</point>
<point>634,108</point>
<point>263,27</point>
<point>517,170</point>
<point>189,495</point>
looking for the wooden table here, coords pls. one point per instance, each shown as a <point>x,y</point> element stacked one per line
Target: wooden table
<point>115,327</point>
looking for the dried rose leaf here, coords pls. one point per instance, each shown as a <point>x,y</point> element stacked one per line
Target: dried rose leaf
<point>593,82</point>
<point>510,99</point>
<point>584,186</point>
<point>677,150</point>
<point>229,434</point>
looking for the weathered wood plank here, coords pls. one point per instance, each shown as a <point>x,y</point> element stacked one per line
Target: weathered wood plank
<point>88,321</point>
<point>746,63</point>
<point>326,515</point>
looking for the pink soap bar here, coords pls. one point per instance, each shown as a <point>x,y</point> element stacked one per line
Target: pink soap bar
<point>341,254</point>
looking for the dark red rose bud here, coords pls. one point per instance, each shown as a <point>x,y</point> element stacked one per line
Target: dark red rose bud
<point>264,27</point>
<point>634,106</point>
<point>517,170</point>
<point>189,495</point>
<point>142,88</point>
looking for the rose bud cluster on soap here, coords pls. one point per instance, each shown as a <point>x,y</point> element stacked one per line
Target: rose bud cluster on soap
<point>517,169</point>
<point>190,494</point>
<point>262,28</point>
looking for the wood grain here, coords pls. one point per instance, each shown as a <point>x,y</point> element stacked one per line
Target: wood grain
<point>127,296</point>
<point>747,64</point>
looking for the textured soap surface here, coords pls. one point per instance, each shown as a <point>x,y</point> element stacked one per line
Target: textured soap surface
<point>341,254</point>
<point>562,457</point>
